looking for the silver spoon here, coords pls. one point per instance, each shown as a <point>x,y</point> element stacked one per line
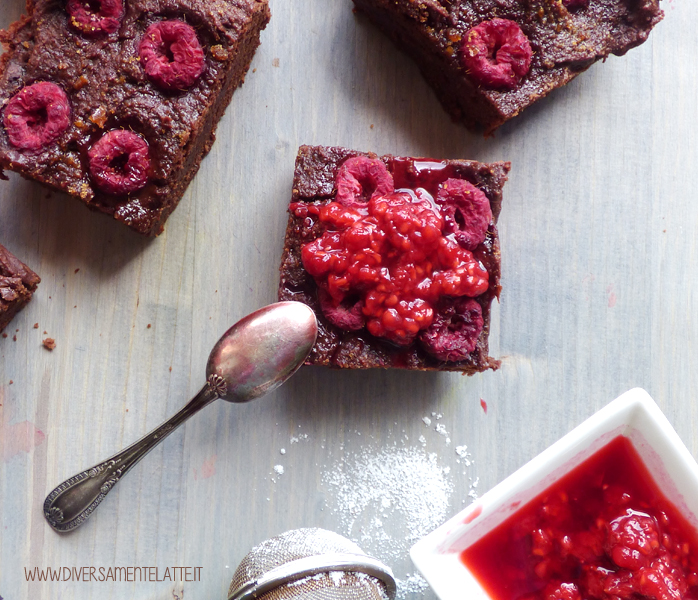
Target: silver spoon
<point>255,356</point>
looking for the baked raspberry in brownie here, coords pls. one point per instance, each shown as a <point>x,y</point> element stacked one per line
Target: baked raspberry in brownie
<point>116,102</point>
<point>17,284</point>
<point>487,60</point>
<point>398,257</point>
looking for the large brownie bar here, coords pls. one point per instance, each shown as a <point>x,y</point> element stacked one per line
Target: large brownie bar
<point>315,184</point>
<point>17,284</point>
<point>102,72</point>
<point>566,37</point>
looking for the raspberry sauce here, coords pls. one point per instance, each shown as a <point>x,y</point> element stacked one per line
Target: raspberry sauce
<point>604,531</point>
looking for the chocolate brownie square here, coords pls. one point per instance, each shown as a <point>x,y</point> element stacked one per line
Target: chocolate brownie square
<point>17,284</point>
<point>398,257</point>
<point>487,60</point>
<point>116,102</point>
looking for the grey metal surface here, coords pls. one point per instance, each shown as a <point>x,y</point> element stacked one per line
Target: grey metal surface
<point>600,294</point>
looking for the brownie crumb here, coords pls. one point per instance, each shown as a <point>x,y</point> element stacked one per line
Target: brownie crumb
<point>49,343</point>
<point>36,326</point>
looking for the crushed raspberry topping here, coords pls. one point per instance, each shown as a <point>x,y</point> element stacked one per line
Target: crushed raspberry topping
<point>119,162</point>
<point>575,4</point>
<point>497,54</point>
<point>389,258</point>
<point>360,178</point>
<point>36,116</point>
<point>453,334</point>
<point>94,17</point>
<point>172,55</point>
<point>466,210</point>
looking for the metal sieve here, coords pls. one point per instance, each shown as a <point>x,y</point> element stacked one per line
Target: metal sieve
<point>311,564</point>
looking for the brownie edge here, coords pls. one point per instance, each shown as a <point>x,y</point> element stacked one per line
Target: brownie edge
<point>314,182</point>
<point>17,284</point>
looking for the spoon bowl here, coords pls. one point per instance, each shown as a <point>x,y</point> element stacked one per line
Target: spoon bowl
<point>262,350</point>
<point>255,356</point>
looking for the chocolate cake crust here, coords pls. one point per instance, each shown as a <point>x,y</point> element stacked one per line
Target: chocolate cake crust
<point>565,42</point>
<point>314,182</point>
<point>108,89</point>
<point>17,284</point>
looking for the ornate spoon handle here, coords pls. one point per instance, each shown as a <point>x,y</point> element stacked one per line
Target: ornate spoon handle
<point>73,501</point>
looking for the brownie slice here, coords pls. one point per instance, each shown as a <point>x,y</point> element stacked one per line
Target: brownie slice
<point>17,284</point>
<point>487,60</point>
<point>420,204</point>
<point>116,102</point>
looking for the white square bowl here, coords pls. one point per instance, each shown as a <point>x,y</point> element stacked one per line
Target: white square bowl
<point>633,415</point>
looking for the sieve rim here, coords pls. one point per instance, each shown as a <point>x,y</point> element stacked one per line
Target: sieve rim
<point>312,565</point>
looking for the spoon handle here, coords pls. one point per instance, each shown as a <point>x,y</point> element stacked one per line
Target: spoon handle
<point>73,501</point>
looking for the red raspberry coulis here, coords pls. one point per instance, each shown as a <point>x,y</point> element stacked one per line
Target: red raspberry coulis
<point>605,531</point>
<point>389,250</point>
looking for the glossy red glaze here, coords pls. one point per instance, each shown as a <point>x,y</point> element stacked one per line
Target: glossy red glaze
<point>604,531</point>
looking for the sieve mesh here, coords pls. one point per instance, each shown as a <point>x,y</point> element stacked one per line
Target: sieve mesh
<point>304,543</point>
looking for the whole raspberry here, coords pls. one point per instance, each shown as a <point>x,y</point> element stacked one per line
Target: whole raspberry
<point>497,54</point>
<point>119,162</point>
<point>633,540</point>
<point>171,55</point>
<point>359,179</point>
<point>561,591</point>
<point>454,332</point>
<point>37,115</point>
<point>94,17</point>
<point>346,315</point>
<point>575,4</point>
<point>466,211</point>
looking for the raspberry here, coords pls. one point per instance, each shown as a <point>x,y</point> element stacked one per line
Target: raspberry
<point>172,55</point>
<point>466,211</point>
<point>633,539</point>
<point>346,315</point>
<point>575,4</point>
<point>94,17</point>
<point>37,115</point>
<point>562,591</point>
<point>455,330</point>
<point>497,54</point>
<point>119,162</point>
<point>361,178</point>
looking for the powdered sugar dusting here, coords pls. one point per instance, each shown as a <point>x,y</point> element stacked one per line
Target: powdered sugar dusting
<point>387,500</point>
